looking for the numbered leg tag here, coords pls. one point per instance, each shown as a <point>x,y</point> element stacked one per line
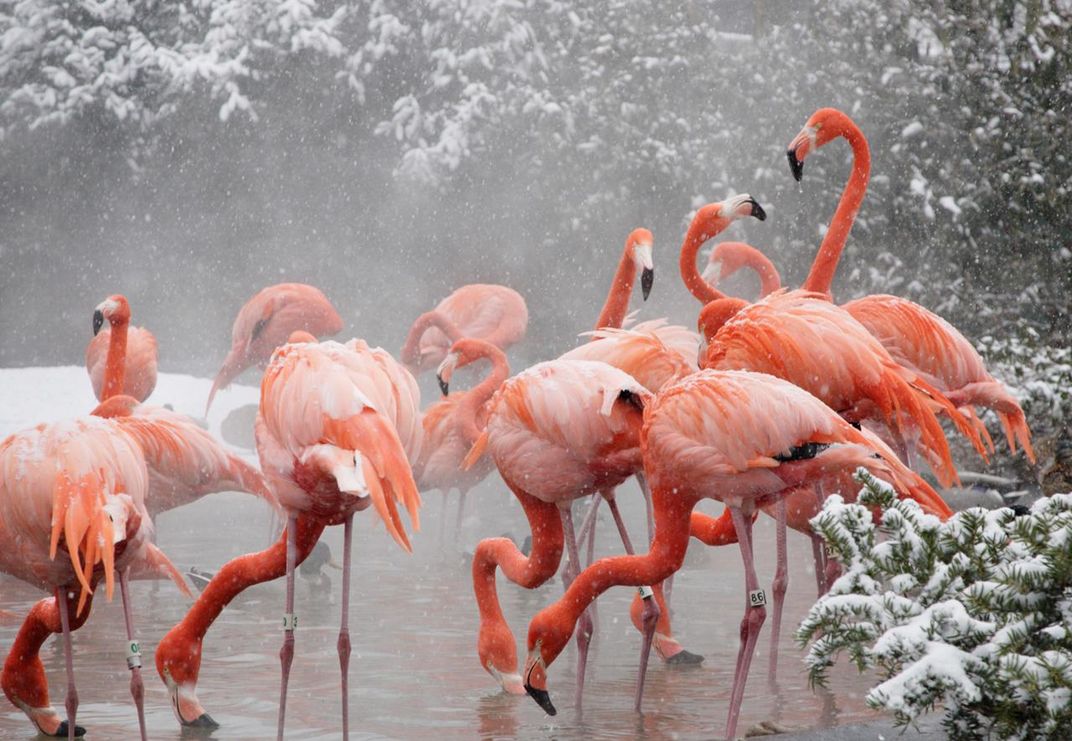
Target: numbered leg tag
<point>645,592</point>
<point>290,621</point>
<point>133,655</point>
<point>757,598</point>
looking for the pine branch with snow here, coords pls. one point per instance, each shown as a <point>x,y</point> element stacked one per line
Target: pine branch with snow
<point>972,614</point>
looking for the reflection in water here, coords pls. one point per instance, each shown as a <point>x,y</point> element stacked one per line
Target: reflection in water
<point>414,671</point>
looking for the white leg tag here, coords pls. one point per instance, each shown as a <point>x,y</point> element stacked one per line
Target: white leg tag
<point>757,598</point>
<point>645,592</point>
<point>290,621</point>
<point>133,655</point>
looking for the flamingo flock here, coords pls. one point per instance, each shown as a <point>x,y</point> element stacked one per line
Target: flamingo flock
<point>770,406</point>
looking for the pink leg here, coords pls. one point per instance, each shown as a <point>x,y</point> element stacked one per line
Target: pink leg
<point>461,513</point>
<point>584,625</point>
<point>650,615</point>
<point>781,582</point>
<point>137,689</point>
<point>286,653</point>
<point>648,508</point>
<point>588,528</point>
<point>755,614</point>
<point>72,693</point>
<point>344,630</point>
<point>443,519</point>
<point>818,548</point>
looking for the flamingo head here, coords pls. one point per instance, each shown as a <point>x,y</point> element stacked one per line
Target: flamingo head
<point>115,309</point>
<point>464,352</point>
<point>824,125</point>
<point>549,633</point>
<point>640,243</point>
<point>725,260</point>
<point>712,317</point>
<point>714,217</point>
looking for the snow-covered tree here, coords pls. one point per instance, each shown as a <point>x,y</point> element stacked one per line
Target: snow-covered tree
<point>974,614</point>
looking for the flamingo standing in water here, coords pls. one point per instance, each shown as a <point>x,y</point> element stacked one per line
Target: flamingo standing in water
<point>77,486</point>
<point>917,338</point>
<point>336,428</point>
<point>140,364</point>
<point>740,437</point>
<point>453,424</point>
<point>558,431</point>
<point>489,312</point>
<point>267,320</point>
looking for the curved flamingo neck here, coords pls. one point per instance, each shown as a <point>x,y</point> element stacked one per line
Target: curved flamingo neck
<point>665,556</point>
<point>115,364</point>
<point>616,305</point>
<point>698,287</point>
<point>496,643</point>
<point>474,401</point>
<point>821,276</point>
<point>411,350</point>
<point>769,279</point>
<point>182,660</point>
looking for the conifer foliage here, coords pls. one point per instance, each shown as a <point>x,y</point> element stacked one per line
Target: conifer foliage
<point>973,614</point>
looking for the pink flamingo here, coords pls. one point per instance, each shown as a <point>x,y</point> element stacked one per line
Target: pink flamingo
<point>923,342</point>
<point>453,424</point>
<point>489,312</point>
<point>558,431</point>
<point>140,365</point>
<point>743,438</point>
<point>266,321</point>
<point>336,427</point>
<point>916,337</point>
<point>77,486</point>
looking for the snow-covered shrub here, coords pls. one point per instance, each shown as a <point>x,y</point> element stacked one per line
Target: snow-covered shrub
<point>974,613</point>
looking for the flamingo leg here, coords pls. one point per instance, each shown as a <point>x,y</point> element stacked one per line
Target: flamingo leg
<point>584,625</point>
<point>781,583</point>
<point>646,491</point>
<point>588,529</point>
<point>72,693</point>
<point>443,519</point>
<point>137,688</point>
<point>286,653</point>
<point>461,512</point>
<point>344,629</point>
<point>818,548</point>
<point>755,614</point>
<point>649,618</point>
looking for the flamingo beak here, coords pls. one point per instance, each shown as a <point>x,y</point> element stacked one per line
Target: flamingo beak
<point>642,254</point>
<point>98,321</point>
<point>757,210</point>
<point>535,673</point>
<point>445,371</point>
<point>798,149</point>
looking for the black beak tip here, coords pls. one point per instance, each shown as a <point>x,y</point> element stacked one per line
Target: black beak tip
<point>98,322</point>
<point>795,165</point>
<point>203,722</point>
<point>444,386</point>
<point>64,731</point>
<point>542,698</point>
<point>758,211</point>
<point>647,279</point>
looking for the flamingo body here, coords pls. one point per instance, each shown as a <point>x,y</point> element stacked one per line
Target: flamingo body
<point>266,321</point>
<point>485,311</point>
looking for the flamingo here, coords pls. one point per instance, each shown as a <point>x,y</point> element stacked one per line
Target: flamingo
<point>916,337</point>
<point>453,424</point>
<point>337,426</point>
<point>486,311</point>
<point>560,430</point>
<point>267,320</point>
<point>637,253</point>
<point>923,342</point>
<point>77,486</point>
<point>140,377</point>
<point>742,438</point>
